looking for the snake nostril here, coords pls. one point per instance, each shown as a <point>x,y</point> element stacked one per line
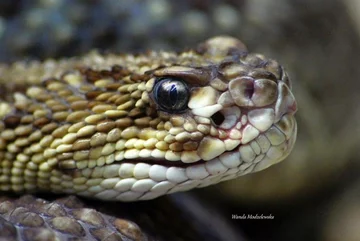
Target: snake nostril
<point>217,118</point>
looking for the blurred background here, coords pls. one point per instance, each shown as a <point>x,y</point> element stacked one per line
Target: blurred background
<point>315,193</point>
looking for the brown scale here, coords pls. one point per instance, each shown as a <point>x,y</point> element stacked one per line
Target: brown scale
<point>12,121</point>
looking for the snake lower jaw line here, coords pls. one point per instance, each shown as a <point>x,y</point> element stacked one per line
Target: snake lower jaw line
<point>127,128</point>
<point>158,178</point>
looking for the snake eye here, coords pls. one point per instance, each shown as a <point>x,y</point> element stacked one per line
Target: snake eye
<point>171,94</point>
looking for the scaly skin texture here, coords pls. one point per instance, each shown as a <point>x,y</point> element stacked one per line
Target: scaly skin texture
<point>125,127</point>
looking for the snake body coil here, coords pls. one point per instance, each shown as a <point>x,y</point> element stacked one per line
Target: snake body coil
<point>125,127</point>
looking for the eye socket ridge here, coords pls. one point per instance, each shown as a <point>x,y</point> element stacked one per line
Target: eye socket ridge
<point>171,94</point>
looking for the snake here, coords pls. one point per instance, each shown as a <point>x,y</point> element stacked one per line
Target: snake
<point>134,127</point>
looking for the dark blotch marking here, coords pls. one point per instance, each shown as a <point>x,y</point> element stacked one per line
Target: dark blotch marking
<point>38,123</point>
<point>93,94</point>
<point>12,121</point>
<point>117,72</point>
<point>91,75</point>
<point>139,77</point>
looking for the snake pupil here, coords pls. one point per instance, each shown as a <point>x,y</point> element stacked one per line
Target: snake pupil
<point>171,94</point>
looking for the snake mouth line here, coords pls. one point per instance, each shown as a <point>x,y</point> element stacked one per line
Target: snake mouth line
<point>164,162</point>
